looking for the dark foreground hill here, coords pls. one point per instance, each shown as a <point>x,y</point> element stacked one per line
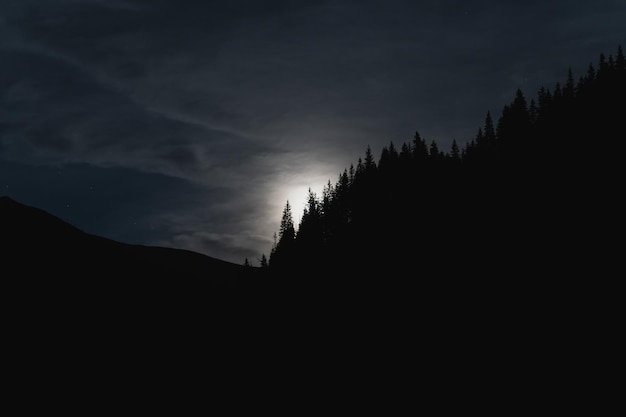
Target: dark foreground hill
<point>46,253</point>
<point>99,313</point>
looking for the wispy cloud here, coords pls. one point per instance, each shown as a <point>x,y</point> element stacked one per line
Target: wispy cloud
<point>244,102</point>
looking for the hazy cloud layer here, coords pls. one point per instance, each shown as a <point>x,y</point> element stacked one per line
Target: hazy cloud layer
<point>242,104</point>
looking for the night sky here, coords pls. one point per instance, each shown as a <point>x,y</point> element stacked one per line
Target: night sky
<point>189,124</point>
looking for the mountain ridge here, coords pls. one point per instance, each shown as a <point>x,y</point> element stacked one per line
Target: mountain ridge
<point>32,234</point>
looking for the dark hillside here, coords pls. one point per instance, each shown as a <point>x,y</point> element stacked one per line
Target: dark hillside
<point>51,257</point>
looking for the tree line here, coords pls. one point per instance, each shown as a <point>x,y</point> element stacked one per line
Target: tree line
<point>519,197</point>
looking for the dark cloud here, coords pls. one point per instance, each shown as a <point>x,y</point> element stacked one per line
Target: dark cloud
<point>244,103</point>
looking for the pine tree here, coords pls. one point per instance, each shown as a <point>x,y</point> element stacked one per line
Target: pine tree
<point>434,152</point>
<point>514,123</point>
<point>455,154</point>
<point>287,231</point>
<point>568,90</point>
<point>310,236</point>
<point>480,139</point>
<point>420,150</point>
<point>602,64</point>
<point>342,186</point>
<point>283,251</point>
<point>370,165</point>
<point>489,132</point>
<point>591,73</point>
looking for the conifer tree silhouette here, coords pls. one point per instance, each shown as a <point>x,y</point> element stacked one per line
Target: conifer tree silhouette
<point>420,150</point>
<point>287,229</point>
<point>263,261</point>
<point>494,206</point>
<point>283,255</point>
<point>455,152</point>
<point>310,235</point>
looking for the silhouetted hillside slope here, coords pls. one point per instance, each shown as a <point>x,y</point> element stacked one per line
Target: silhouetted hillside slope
<point>99,311</point>
<point>39,246</point>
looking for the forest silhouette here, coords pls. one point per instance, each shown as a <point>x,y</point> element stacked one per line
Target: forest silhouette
<point>524,206</point>
<point>521,203</point>
<point>474,277</point>
<point>469,265</point>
